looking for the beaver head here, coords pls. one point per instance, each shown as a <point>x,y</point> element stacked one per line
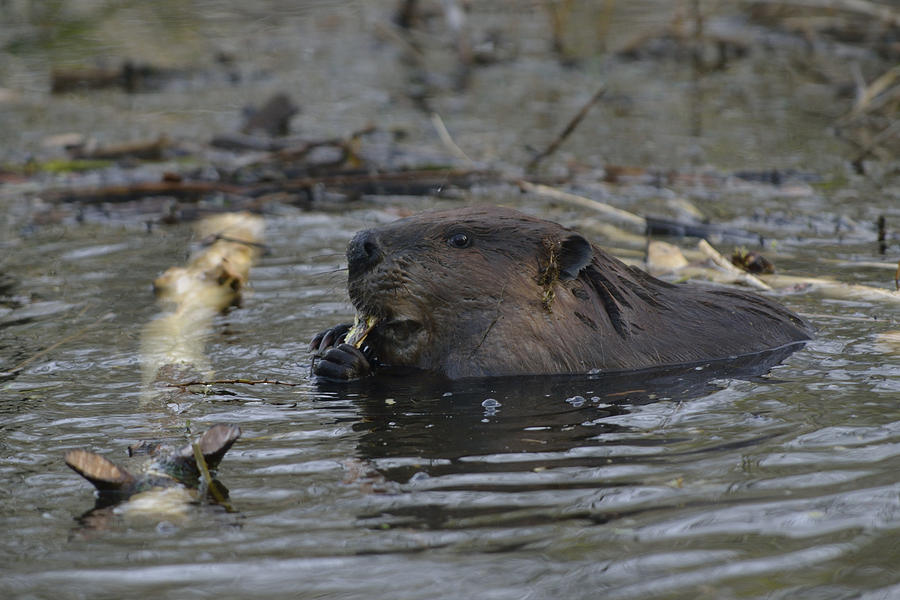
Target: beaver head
<point>491,291</point>
<point>452,290</point>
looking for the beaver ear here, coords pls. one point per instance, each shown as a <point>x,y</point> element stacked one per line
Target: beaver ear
<point>575,254</point>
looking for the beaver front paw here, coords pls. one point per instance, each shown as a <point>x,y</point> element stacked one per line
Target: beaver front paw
<point>329,338</point>
<point>343,362</point>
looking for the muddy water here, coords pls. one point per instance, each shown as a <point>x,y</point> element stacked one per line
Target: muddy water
<point>692,484</point>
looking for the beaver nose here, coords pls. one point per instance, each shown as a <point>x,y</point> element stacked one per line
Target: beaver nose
<point>363,252</point>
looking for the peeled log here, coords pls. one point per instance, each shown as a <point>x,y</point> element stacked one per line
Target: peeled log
<point>173,344</point>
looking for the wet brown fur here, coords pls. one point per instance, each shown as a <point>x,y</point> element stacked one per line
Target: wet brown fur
<point>529,296</point>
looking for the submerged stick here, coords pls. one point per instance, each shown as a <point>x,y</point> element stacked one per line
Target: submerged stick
<point>567,131</point>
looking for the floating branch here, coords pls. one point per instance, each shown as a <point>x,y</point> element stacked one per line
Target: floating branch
<point>617,214</point>
<point>172,345</point>
<point>184,190</point>
<point>390,182</point>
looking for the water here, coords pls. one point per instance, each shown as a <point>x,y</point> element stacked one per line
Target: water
<point>693,484</point>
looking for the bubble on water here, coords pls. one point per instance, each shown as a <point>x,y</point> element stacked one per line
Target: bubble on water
<point>576,401</point>
<point>166,528</point>
<point>490,406</point>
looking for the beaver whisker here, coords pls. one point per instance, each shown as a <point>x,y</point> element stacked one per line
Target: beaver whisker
<point>327,255</point>
<point>329,272</point>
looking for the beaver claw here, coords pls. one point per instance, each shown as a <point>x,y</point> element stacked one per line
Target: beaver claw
<point>343,362</point>
<point>329,338</point>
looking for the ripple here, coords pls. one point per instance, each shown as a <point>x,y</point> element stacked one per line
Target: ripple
<point>712,576</point>
<point>866,509</point>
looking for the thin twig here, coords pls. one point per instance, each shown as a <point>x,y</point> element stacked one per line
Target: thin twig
<point>570,127</point>
<point>233,381</point>
<point>65,340</point>
<point>219,237</point>
<point>207,478</point>
<point>295,152</point>
<point>882,135</point>
<point>869,92</point>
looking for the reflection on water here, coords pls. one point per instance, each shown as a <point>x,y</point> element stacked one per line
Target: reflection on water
<point>545,440</point>
<point>464,426</point>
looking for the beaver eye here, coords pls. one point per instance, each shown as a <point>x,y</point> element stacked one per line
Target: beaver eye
<point>459,240</point>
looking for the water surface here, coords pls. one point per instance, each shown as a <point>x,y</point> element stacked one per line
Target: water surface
<point>693,484</point>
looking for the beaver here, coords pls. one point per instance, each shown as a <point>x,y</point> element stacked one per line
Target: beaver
<point>489,291</point>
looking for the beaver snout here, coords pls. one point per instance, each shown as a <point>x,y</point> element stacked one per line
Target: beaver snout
<point>363,252</point>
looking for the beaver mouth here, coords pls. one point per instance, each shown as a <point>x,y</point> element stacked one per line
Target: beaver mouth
<point>390,326</point>
<point>390,331</point>
<point>398,332</point>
